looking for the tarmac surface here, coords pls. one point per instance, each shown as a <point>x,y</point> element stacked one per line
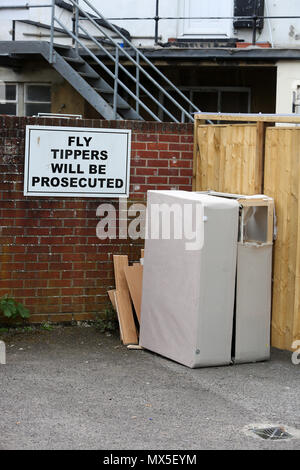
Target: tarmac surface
<point>75,388</point>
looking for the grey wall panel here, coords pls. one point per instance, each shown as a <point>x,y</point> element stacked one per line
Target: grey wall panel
<point>253,302</point>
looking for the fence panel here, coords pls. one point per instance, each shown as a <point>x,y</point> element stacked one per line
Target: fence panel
<point>228,158</point>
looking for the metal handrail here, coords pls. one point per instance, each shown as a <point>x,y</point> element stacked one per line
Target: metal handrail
<point>133,61</point>
<point>107,70</point>
<point>116,60</point>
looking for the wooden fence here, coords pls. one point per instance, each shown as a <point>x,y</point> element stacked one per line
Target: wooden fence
<point>253,159</point>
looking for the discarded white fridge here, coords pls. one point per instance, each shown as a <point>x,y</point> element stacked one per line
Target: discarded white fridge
<point>208,305</point>
<point>188,294</point>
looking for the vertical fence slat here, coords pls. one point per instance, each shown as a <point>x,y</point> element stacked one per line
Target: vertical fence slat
<point>282,182</point>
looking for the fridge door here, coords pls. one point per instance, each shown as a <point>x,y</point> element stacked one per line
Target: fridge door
<point>188,295</point>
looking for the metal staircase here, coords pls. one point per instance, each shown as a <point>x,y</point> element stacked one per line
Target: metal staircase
<point>94,89</point>
<point>139,91</point>
<point>106,98</point>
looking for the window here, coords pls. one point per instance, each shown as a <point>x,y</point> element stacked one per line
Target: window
<point>8,98</point>
<point>29,99</point>
<point>212,100</point>
<point>248,8</point>
<point>37,99</point>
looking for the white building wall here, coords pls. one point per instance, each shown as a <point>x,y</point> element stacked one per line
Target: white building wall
<point>283,33</point>
<point>288,82</point>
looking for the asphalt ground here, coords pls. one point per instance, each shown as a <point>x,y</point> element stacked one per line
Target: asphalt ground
<point>75,388</point>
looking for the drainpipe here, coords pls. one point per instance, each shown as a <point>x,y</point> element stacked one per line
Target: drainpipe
<point>156,18</point>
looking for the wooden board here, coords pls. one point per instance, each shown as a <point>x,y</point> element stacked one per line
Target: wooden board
<point>111,294</point>
<point>284,118</point>
<point>229,158</point>
<point>120,262</point>
<point>123,302</point>
<point>120,326</point>
<point>125,315</point>
<point>134,277</point>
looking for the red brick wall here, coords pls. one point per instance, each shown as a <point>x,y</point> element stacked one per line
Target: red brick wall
<point>51,259</point>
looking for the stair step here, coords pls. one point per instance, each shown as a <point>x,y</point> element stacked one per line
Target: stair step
<point>74,60</point>
<point>88,75</point>
<point>103,90</point>
<point>110,99</point>
<point>61,46</point>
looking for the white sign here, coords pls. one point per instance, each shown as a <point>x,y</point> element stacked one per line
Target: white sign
<point>77,162</point>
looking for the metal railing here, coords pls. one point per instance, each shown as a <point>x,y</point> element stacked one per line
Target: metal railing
<point>122,50</point>
<point>254,19</point>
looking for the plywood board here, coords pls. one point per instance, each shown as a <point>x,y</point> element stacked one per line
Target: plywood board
<point>125,316</point>
<point>115,302</point>
<point>111,294</point>
<point>120,262</point>
<point>134,277</point>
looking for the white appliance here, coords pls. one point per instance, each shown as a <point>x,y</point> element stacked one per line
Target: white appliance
<point>188,295</point>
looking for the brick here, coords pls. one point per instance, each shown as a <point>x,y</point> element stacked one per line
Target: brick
<point>26,240</point>
<point>62,249</point>
<point>73,291</point>
<point>180,147</point>
<point>148,154</point>
<point>169,138</point>
<point>180,164</point>
<point>147,137</point>
<point>138,180</point>
<point>9,284</point>
<point>59,283</point>
<point>169,155</point>
<point>138,146</point>
<point>157,146</point>
<point>179,180</point>
<point>146,171</point>
<point>186,172</point>
<point>187,155</point>
<point>157,180</point>
<point>35,283</point>
<point>187,139</point>
<point>168,172</point>
<point>157,163</point>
